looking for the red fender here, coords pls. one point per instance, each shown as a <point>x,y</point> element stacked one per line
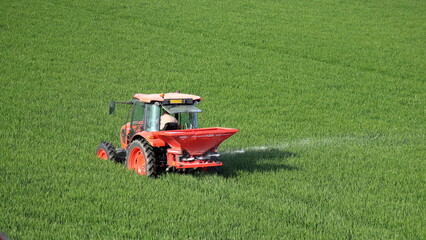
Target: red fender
<point>149,137</point>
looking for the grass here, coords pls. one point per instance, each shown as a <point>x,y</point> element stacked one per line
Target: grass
<point>333,90</point>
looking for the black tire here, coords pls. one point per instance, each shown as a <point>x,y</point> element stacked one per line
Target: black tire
<point>121,155</point>
<point>215,170</point>
<point>149,155</point>
<point>106,150</point>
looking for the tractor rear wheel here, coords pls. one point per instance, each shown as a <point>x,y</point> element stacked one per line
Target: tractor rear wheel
<point>106,151</point>
<point>141,158</point>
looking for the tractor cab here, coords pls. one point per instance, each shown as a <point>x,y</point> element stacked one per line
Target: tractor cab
<point>146,111</point>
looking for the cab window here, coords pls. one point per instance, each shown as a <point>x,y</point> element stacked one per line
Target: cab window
<point>187,120</point>
<point>152,117</point>
<point>138,115</point>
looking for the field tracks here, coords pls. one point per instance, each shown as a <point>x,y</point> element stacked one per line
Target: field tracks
<point>308,142</point>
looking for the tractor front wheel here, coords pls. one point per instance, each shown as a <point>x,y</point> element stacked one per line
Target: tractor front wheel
<point>106,151</point>
<point>141,158</point>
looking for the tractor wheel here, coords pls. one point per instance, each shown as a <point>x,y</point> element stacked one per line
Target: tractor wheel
<point>141,158</point>
<point>121,155</point>
<point>106,151</point>
<point>214,170</point>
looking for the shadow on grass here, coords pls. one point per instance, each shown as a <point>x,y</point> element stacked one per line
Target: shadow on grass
<point>262,160</point>
<point>259,160</point>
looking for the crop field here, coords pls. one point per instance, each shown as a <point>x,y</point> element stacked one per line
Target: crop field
<point>329,98</point>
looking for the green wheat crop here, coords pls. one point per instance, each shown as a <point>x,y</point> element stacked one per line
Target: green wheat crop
<point>329,98</point>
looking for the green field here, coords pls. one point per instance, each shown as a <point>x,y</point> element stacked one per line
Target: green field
<point>329,98</point>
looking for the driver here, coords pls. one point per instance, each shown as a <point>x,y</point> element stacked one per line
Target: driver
<point>166,118</point>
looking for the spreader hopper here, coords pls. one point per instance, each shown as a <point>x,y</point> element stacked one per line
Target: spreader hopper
<point>195,142</point>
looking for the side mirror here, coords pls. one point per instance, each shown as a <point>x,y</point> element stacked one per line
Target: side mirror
<point>111,107</point>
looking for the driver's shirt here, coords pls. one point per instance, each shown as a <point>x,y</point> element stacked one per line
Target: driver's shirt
<point>166,118</point>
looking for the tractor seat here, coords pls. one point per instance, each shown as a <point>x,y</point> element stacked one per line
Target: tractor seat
<point>170,126</point>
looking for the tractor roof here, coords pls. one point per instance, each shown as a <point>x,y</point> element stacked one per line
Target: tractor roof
<point>147,98</point>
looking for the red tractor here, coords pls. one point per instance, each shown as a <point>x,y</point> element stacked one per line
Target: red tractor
<point>163,135</point>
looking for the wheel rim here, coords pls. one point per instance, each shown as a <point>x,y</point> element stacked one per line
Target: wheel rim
<point>137,161</point>
<point>102,154</point>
